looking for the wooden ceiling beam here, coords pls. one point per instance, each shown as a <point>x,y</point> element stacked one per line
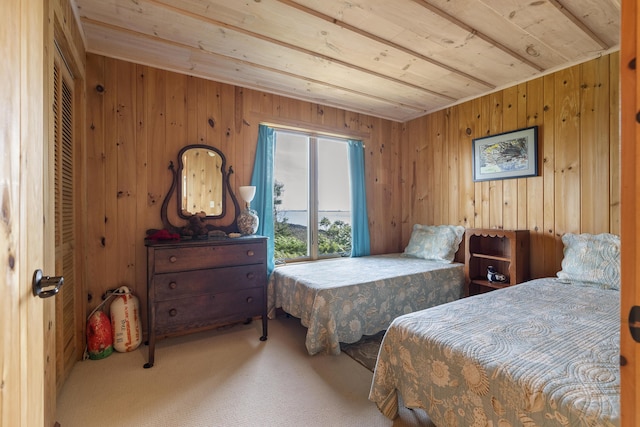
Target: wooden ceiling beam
<point>198,51</point>
<point>387,42</point>
<point>578,23</point>
<point>477,33</point>
<point>322,56</point>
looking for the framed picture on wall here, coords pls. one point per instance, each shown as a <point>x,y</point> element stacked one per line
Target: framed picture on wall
<point>506,155</point>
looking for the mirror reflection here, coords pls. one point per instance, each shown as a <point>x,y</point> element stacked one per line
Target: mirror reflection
<point>201,182</point>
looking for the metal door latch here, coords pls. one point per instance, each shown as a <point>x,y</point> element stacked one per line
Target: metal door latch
<point>45,286</point>
<point>634,322</point>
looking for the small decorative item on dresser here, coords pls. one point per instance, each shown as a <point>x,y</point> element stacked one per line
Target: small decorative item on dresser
<point>248,219</point>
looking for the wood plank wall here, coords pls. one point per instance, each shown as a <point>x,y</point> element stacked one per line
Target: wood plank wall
<point>578,187</point>
<point>138,118</point>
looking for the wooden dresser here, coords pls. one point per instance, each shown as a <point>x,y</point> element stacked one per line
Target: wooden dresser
<point>199,284</point>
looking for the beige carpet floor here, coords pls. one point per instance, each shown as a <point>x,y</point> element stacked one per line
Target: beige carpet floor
<point>225,377</point>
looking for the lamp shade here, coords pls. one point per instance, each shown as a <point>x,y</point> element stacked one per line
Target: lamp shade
<point>248,219</point>
<point>247,192</point>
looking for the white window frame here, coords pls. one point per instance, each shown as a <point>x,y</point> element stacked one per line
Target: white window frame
<point>313,190</point>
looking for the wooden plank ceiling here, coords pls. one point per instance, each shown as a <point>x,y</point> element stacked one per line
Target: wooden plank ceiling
<point>395,59</point>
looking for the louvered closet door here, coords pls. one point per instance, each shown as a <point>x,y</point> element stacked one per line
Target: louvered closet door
<point>67,339</point>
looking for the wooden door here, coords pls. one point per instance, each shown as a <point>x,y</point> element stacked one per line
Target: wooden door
<point>68,345</point>
<point>630,212</point>
<point>62,323</point>
<point>22,142</point>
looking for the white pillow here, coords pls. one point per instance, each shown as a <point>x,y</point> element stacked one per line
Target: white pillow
<point>591,258</point>
<point>435,242</point>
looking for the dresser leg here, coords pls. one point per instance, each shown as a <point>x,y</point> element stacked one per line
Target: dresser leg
<point>152,350</point>
<point>264,328</point>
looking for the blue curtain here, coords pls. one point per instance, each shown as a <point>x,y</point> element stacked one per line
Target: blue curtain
<point>360,243</point>
<point>262,178</point>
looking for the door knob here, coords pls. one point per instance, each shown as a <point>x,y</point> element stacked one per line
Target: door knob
<point>45,286</point>
<point>634,323</point>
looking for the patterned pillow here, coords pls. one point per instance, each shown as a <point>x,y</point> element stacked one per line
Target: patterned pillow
<point>591,258</point>
<point>435,242</point>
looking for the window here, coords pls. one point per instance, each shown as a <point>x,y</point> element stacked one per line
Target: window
<point>311,186</point>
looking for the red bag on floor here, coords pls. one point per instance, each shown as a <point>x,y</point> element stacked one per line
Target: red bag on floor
<point>99,336</point>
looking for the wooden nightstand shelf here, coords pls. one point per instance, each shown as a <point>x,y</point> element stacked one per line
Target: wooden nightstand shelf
<point>506,250</point>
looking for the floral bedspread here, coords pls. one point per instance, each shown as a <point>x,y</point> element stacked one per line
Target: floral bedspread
<point>542,353</point>
<point>341,300</point>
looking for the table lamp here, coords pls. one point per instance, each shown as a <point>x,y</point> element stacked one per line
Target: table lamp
<point>248,219</point>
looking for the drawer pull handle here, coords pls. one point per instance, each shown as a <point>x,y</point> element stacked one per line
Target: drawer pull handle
<point>250,275</point>
<point>250,253</point>
<point>173,285</point>
<point>173,312</point>
<point>249,300</point>
<point>173,258</point>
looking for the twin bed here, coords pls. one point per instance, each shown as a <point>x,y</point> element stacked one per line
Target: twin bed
<point>542,353</point>
<point>545,352</point>
<point>341,300</point>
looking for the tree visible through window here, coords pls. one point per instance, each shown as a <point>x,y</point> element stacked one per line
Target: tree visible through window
<point>312,201</point>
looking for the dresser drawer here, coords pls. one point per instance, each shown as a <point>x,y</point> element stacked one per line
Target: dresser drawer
<point>214,280</point>
<point>204,310</point>
<point>198,257</point>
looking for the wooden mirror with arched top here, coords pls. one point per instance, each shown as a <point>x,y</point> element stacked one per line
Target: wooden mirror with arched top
<point>202,182</point>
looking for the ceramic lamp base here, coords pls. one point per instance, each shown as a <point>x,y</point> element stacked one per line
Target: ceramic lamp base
<point>248,221</point>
